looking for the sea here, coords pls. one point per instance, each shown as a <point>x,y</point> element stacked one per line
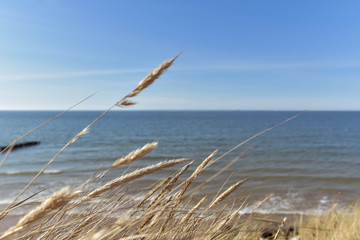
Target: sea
<point>308,164</point>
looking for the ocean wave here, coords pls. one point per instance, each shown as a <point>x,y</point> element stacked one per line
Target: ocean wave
<point>30,172</point>
<point>5,201</point>
<point>289,204</point>
<point>311,178</point>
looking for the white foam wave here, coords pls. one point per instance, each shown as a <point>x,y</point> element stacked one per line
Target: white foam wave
<point>5,201</point>
<point>30,172</point>
<point>292,203</point>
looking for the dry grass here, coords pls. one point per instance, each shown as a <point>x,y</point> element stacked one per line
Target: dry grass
<point>55,201</point>
<point>226,193</point>
<point>166,210</point>
<point>135,155</point>
<point>334,225</point>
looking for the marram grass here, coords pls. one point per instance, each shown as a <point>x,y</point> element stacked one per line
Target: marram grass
<point>166,210</point>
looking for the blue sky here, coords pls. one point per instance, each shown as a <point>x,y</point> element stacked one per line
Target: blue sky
<point>237,55</point>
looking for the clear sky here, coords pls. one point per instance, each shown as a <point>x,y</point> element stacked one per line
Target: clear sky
<point>237,55</point>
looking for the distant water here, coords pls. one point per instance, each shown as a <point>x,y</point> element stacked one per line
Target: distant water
<point>306,163</point>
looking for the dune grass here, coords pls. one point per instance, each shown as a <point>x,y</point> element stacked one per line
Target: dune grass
<point>164,210</point>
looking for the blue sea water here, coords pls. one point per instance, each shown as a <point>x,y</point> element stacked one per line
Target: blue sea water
<point>307,163</point>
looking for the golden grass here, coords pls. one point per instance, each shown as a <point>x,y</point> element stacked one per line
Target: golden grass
<point>227,192</point>
<point>166,210</point>
<point>55,201</point>
<point>334,225</point>
<point>134,175</point>
<point>135,155</point>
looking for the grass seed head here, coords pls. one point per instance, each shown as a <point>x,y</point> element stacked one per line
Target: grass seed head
<point>135,155</point>
<point>149,79</point>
